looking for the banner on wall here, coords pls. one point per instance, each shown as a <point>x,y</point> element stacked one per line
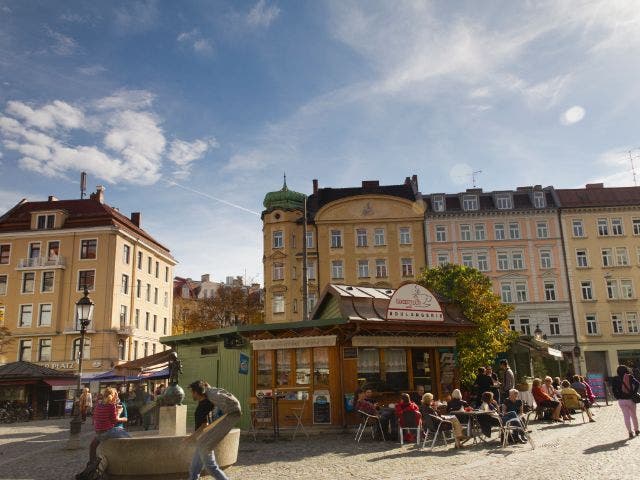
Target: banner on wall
<point>244,364</point>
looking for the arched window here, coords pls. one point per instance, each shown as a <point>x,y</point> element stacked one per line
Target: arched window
<point>86,352</point>
<point>121,349</point>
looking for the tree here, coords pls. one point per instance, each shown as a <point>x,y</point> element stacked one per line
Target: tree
<point>472,292</point>
<point>5,337</point>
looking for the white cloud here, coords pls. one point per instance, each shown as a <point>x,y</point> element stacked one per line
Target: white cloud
<point>572,115</point>
<point>91,70</point>
<point>616,167</point>
<point>137,17</point>
<point>262,14</point>
<point>196,41</point>
<point>62,44</point>
<point>127,142</point>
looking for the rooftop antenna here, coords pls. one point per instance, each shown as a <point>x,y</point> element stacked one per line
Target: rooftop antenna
<point>83,184</point>
<point>633,167</point>
<point>474,177</point>
<point>284,186</point>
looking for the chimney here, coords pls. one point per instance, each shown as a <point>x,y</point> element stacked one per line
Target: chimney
<point>315,186</point>
<point>204,278</point>
<point>370,185</point>
<point>52,198</point>
<point>135,218</point>
<point>593,186</point>
<point>99,195</point>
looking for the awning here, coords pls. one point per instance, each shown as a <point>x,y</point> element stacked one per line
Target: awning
<point>58,384</point>
<point>134,367</point>
<point>295,342</point>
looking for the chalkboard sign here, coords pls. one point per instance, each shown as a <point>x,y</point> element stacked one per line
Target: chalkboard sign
<point>264,410</point>
<point>321,407</point>
<point>596,381</point>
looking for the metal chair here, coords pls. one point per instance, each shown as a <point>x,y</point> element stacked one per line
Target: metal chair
<point>253,412</point>
<point>365,421</point>
<point>433,426</point>
<point>514,425</point>
<point>411,421</point>
<point>574,402</point>
<point>297,413</point>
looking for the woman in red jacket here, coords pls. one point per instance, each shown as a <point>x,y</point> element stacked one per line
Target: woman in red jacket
<point>543,400</point>
<point>406,405</point>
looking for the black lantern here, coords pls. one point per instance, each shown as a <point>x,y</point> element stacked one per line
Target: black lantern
<point>538,333</point>
<point>84,310</point>
<point>576,351</point>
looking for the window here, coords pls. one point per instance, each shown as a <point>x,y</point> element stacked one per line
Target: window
<point>505,293</point>
<point>514,231</point>
<point>503,261</point>
<point>437,203</point>
<point>139,260</point>
<point>309,239</point>
<point>88,249</point>
<point>153,348</point>
<point>525,328</point>
<point>441,233</point>
<point>467,259</point>
<point>407,267</point>
<point>164,325</point>
<point>5,254</point>
<point>538,200</point>
<point>378,237</point>
<point>293,240</point>
<point>86,279</point>
<point>121,349</point>
<point>336,269</point>
<point>363,268</point>
<point>512,324</point>
<point>126,254</point>
<point>578,228</point>
<point>607,259</point>
<point>148,292</point>
<point>636,226</point>
<point>166,299</point>
<point>480,231</point>
<point>145,350</point>
<point>311,302</point>
<point>135,349</point>
<point>361,237</point>
<point>498,231</point>
<point>612,289</point>
<point>517,259</point>
<point>125,284</point>
<point>469,202</point>
<point>465,232</point>
<point>54,249</point>
<point>603,227</point>
<point>442,258</point>
<point>86,351</point>
<point>44,350</point>
<point>34,250</point>
<point>278,239</point>
<point>554,326</point>
<point>155,323</point>
<point>405,236</point>
<point>166,274</point>
<point>47,281</point>
<point>545,259</point>
<point>278,303</point>
<point>626,288</point>
<point>381,268</point>
<point>45,222</point>
<point>155,296</point>
<point>137,318</point>
<point>632,322</point>
<point>622,257</point>
<point>616,324</point>
<point>278,271</point>
<point>336,239</point>
<point>550,291</point>
<point>123,315</point>
<point>28,282</point>
<point>311,270</point>
<point>616,226</point>
<point>24,354</point>
<point>3,284</point>
<point>44,317</point>
<point>157,269</point>
<point>483,263</point>
<point>283,367</point>
<point>503,201</point>
<point>138,288</point>
<point>587,290</point>
<point>581,258</point>
<point>303,366</point>
<point>542,229</point>
<point>149,263</point>
<point>295,305</point>
<point>521,292</point>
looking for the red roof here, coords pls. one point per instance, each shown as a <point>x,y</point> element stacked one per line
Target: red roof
<point>598,196</point>
<point>80,214</point>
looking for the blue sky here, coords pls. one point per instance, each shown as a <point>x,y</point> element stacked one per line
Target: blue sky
<point>173,105</point>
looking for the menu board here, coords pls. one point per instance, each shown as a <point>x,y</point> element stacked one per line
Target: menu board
<point>264,409</point>
<point>596,381</point>
<point>321,407</point>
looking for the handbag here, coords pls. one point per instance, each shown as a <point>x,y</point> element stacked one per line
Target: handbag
<point>626,385</point>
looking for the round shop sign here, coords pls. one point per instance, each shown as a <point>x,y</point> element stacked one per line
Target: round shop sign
<point>413,302</point>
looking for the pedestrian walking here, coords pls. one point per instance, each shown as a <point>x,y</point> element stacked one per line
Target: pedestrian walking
<point>625,389</point>
<point>86,403</point>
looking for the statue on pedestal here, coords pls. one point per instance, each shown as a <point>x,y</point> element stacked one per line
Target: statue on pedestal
<point>174,394</point>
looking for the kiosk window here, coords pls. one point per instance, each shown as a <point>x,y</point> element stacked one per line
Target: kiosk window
<point>321,366</point>
<point>369,364</point>
<point>395,365</point>
<point>303,366</point>
<point>421,366</point>
<point>283,365</point>
<point>265,369</point>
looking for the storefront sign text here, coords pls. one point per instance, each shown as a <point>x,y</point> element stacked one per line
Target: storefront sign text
<point>299,342</point>
<point>413,302</point>
<point>384,341</point>
<point>60,366</point>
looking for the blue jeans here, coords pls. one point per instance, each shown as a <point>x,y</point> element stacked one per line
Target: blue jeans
<point>208,460</point>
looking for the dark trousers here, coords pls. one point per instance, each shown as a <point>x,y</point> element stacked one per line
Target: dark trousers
<point>389,422</point>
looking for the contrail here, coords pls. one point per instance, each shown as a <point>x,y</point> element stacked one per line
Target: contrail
<point>239,207</point>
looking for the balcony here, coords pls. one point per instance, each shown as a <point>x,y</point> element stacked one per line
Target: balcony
<point>41,262</point>
<point>124,329</point>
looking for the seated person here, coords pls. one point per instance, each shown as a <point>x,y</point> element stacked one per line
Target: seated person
<point>416,397</point>
<point>449,422</point>
<point>555,394</point>
<point>387,416</point>
<point>590,396</point>
<point>456,403</point>
<point>567,390</point>
<point>513,405</point>
<point>543,400</point>
<point>402,407</point>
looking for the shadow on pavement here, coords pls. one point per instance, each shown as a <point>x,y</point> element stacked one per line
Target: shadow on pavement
<point>606,447</point>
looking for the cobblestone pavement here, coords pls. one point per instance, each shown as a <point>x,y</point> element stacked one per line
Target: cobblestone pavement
<point>601,450</point>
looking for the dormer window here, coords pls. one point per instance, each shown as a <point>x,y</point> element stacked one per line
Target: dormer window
<point>538,200</point>
<point>437,203</point>
<point>503,201</point>
<point>469,202</point>
<point>45,222</point>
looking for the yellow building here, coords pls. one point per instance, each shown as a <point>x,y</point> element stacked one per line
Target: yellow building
<point>601,233</point>
<point>51,250</point>
<point>368,236</point>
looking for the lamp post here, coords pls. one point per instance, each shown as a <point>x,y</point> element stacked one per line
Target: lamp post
<point>538,333</point>
<point>84,314</point>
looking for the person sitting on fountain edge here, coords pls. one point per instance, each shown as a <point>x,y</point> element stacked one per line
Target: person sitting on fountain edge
<point>205,436</point>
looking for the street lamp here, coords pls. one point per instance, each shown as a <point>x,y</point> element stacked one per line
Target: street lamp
<point>538,333</point>
<point>84,314</point>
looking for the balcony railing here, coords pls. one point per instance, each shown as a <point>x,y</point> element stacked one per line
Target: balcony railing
<point>124,329</point>
<point>41,262</point>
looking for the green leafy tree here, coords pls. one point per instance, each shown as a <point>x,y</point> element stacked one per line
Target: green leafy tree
<point>5,337</point>
<point>472,292</point>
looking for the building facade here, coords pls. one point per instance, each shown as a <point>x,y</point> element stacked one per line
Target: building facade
<point>601,229</point>
<point>513,237</point>
<point>50,251</point>
<point>369,236</point>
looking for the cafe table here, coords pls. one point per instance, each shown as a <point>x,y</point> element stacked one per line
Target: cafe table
<point>473,426</point>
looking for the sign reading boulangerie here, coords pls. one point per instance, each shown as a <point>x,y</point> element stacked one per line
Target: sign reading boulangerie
<point>414,302</point>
